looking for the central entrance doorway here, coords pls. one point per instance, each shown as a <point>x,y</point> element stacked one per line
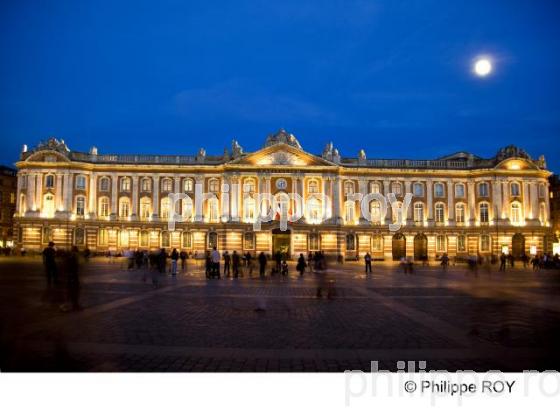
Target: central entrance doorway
<point>420,247</point>
<point>399,246</point>
<point>281,241</point>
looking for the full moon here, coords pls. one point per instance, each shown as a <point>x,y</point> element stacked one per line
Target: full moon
<point>482,67</point>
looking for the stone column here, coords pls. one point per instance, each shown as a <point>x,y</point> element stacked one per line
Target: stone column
<point>68,197</point>
<point>30,193</point>
<point>155,198</point>
<point>39,192</point>
<point>59,200</point>
<point>450,203</point>
<point>234,198</point>
<point>336,199</point>
<point>223,202</point>
<point>497,200</point>
<point>135,189</point>
<point>362,187</point>
<point>92,196</point>
<point>327,211</point>
<point>547,202</point>
<point>198,197</point>
<point>389,213</point>
<point>505,203</point>
<point>528,212</point>
<point>114,195</point>
<point>534,193</point>
<point>430,201</point>
<point>408,190</point>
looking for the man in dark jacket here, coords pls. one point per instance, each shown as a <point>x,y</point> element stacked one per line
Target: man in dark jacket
<point>49,261</point>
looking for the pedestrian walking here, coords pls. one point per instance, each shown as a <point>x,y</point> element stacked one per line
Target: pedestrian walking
<point>174,259</point>
<point>183,257</point>
<point>300,267</point>
<point>215,258</point>
<point>367,260</point>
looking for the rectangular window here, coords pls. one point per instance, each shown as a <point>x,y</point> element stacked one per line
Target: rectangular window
<point>144,237</point>
<point>461,243</point>
<point>46,234</point>
<point>483,189</point>
<point>485,243</point>
<point>80,206</point>
<point>103,237</point>
<point>313,242</point>
<point>80,182</point>
<point>377,244</point>
<point>440,243</point>
<point>460,191</point>
<point>249,240</point>
<point>187,240</point>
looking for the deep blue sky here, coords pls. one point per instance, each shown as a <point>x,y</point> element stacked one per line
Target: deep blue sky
<point>392,77</point>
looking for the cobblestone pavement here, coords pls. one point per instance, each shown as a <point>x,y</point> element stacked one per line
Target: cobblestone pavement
<point>453,320</point>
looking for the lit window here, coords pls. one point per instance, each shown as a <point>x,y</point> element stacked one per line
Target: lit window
<point>314,242</point>
<point>249,186</point>
<point>349,211</point>
<point>483,189</point>
<point>213,210</point>
<point>348,188</point>
<point>314,210</point>
<point>144,238</point>
<point>214,185</point>
<point>146,185</point>
<point>80,205</point>
<point>104,184</point>
<point>461,243</point>
<point>125,184</point>
<point>79,236</point>
<point>418,212</point>
<point>103,237</point>
<point>188,185</point>
<point>165,239</point>
<point>460,213</point>
<point>165,208</point>
<point>249,209</point>
<point>80,182</point>
<point>312,187</point>
<point>440,213</point>
<point>377,243</point>
<point>48,206</point>
<point>396,188</point>
<point>167,185</point>
<point>440,243</point>
<point>515,213</point>
<point>249,240</point>
<point>418,189</point>
<point>145,208</point>
<point>438,190</point>
<point>374,188</point>
<point>187,209</point>
<point>397,209</point>
<point>187,240</point>
<point>212,240</point>
<point>515,189</point>
<point>124,207</point>
<point>104,206</point>
<point>460,190</point>
<point>483,212</point>
<point>484,243</point>
<point>375,209</point>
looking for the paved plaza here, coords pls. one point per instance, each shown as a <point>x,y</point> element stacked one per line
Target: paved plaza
<point>453,320</point>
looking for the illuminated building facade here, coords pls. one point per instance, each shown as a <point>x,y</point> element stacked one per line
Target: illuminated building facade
<point>461,204</point>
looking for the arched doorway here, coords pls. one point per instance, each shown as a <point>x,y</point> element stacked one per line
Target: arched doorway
<point>399,246</point>
<point>517,245</point>
<point>420,247</point>
<point>281,241</point>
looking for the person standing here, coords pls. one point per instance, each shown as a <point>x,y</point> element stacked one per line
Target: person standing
<point>262,264</point>
<point>162,260</point>
<point>249,262</point>
<point>174,259</point>
<point>215,258</point>
<point>300,267</point>
<point>235,261</point>
<point>367,259</point>
<point>310,262</point>
<point>183,256</point>
<point>444,261</point>
<point>227,264</point>
<point>503,262</point>
<point>49,261</point>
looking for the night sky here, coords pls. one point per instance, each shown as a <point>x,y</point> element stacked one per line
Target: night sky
<point>392,77</point>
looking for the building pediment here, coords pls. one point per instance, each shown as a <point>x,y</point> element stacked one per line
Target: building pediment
<point>281,154</point>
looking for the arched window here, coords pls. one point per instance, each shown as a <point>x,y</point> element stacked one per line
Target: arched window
<point>146,185</point>
<point>187,209</point>
<point>350,242</point>
<point>249,209</point>
<point>188,185</point>
<point>515,190</point>
<point>515,215</point>
<point>249,186</point>
<point>167,185</point>
<point>80,182</point>
<point>374,188</point>
<point>459,190</point>
<point>349,212</point>
<point>396,188</point>
<point>483,189</point>
<point>440,213</point>
<point>145,208</point>
<point>483,212</point>
<point>104,184</point>
<point>213,214</point>
<point>49,181</point>
<point>165,208</point>
<point>79,236</point>
<point>460,213</point>
<point>418,189</point>
<point>124,207</point>
<point>375,210</point>
<point>48,206</point>
<point>418,212</point>
<point>314,211</point>
<point>439,190</point>
<point>214,185</point>
<point>80,205</point>
<point>212,240</point>
<point>312,187</point>
<point>104,208</point>
<point>125,184</point>
<point>348,188</point>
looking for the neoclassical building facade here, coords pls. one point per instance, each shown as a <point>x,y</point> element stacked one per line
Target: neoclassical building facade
<point>461,204</point>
